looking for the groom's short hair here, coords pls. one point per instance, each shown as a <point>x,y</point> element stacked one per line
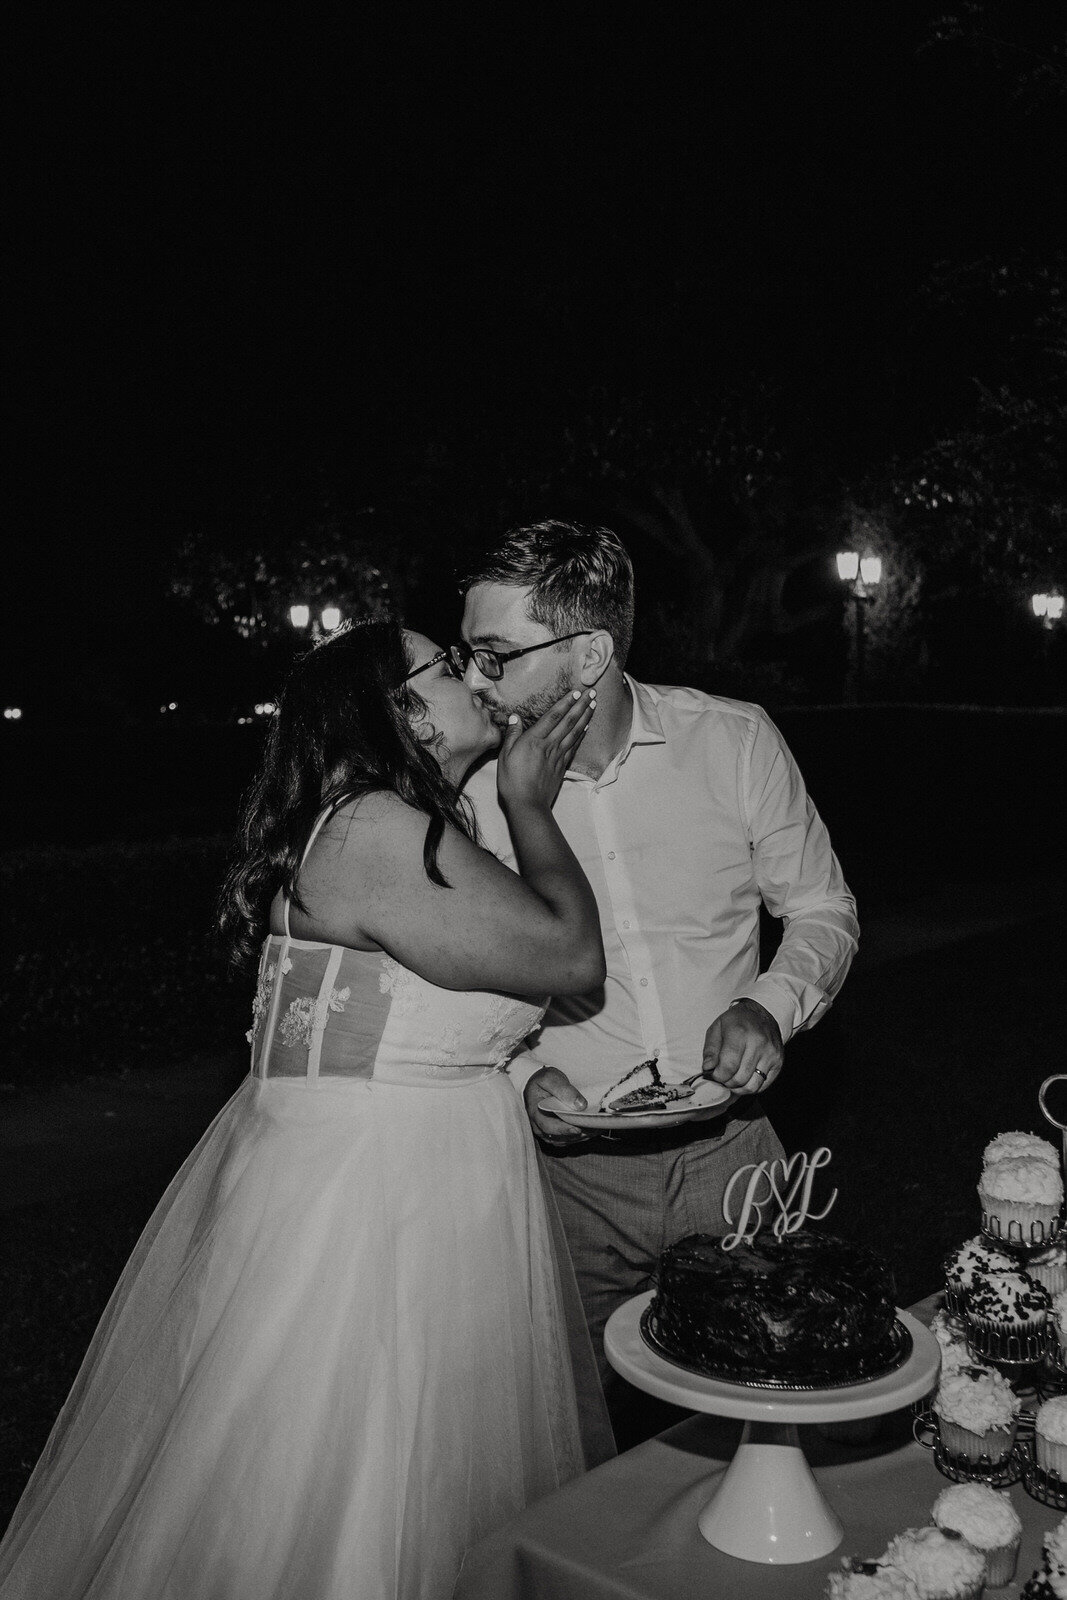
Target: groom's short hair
<point>578,577</point>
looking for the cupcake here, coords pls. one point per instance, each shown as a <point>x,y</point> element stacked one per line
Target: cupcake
<point>1021,1198</point>
<point>1058,1320</point>
<point>951,1335</point>
<point>1007,1316</point>
<point>977,1255</point>
<point>870,1580</point>
<point>1055,1548</point>
<point>1049,1267</point>
<point>1006,1145</point>
<point>942,1566</point>
<point>1050,1436</point>
<point>987,1519</point>
<point>976,1410</point>
<point>1049,1582</point>
<point>1044,1585</point>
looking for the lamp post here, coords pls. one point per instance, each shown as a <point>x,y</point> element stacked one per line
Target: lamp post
<point>328,620</point>
<point>862,574</point>
<point>1049,607</point>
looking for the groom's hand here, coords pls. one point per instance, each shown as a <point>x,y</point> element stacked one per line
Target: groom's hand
<point>551,1084</point>
<point>743,1048</point>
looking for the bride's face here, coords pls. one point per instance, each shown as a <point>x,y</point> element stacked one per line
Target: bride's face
<point>456,726</point>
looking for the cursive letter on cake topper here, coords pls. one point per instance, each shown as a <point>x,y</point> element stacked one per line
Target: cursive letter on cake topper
<point>783,1182</point>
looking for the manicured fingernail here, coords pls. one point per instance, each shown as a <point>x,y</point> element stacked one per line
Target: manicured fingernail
<point>512,718</point>
<point>592,694</point>
<point>577,694</point>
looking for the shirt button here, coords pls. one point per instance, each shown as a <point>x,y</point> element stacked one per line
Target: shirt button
<point>626,924</point>
<point>611,855</point>
<point>644,983</point>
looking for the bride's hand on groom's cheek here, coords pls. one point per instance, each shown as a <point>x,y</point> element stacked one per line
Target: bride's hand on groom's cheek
<point>551,1084</point>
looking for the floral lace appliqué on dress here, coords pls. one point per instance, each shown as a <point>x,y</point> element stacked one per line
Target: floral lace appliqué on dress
<point>506,1022</point>
<point>261,998</point>
<point>306,1015</point>
<point>410,993</point>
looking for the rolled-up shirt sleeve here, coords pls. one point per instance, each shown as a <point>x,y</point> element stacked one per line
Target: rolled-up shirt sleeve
<point>800,880</point>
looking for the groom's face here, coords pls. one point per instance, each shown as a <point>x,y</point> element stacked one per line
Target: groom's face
<point>495,617</point>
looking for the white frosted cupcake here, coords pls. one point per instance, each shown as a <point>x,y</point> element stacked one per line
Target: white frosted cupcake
<point>1007,1315</point>
<point>975,1255</point>
<point>1055,1548</point>
<point>942,1566</point>
<point>951,1335</point>
<point>976,1410</point>
<point>1007,1145</point>
<point>1049,1267</point>
<point>1058,1319</point>
<point>870,1580</point>
<point>987,1519</point>
<point>1050,1436</point>
<point>1021,1198</point>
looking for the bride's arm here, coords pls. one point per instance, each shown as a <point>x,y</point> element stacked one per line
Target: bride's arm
<point>533,934</point>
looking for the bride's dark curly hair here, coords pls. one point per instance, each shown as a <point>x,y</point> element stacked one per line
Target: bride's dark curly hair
<point>342,729</point>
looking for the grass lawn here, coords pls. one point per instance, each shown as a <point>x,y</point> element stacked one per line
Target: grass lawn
<point>923,1059</point>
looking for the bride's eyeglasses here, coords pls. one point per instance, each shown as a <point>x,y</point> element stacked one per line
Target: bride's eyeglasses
<point>441,656</point>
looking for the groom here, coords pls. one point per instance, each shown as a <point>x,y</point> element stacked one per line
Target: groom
<point>686,813</point>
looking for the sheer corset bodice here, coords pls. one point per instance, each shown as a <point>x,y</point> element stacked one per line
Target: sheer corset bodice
<point>325,1010</point>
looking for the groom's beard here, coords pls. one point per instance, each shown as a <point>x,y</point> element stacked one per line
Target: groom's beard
<point>530,709</point>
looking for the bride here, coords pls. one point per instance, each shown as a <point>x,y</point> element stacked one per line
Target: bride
<point>338,1354</point>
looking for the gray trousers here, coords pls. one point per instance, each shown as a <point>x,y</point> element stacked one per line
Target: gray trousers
<point>622,1201</point>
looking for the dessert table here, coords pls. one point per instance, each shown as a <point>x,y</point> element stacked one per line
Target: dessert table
<point>628,1530</point>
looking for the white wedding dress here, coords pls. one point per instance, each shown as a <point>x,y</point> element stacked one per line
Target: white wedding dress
<point>337,1355</point>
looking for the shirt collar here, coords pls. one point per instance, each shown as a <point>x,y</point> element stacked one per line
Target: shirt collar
<point>646,727</point>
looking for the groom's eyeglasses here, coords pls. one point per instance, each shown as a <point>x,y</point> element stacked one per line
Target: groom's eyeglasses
<point>490,663</point>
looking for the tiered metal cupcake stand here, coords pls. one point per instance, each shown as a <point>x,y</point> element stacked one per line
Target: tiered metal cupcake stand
<point>1034,1364</point>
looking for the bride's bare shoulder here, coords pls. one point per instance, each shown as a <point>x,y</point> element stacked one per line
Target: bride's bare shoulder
<point>378,829</point>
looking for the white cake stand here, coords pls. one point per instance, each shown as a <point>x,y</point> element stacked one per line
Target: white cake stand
<point>767,1506</point>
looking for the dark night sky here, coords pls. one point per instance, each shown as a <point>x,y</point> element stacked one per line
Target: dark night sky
<point>239,243</point>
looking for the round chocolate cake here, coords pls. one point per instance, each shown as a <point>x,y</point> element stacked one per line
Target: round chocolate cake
<point>806,1311</point>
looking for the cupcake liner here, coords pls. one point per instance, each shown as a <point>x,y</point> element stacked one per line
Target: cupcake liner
<point>1053,1277</point>
<point>1050,1455</point>
<point>1000,1563</point>
<point>1016,1222</point>
<point>1023,1342</point>
<point>996,1444</point>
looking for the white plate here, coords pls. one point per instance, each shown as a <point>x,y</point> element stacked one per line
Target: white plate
<point>709,1099</point>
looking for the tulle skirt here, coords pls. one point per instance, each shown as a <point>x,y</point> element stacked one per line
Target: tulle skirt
<point>335,1359</point>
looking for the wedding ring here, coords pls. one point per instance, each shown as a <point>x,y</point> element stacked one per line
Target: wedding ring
<point>758,1072</point>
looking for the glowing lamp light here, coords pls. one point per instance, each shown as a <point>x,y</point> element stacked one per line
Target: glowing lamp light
<point>848,565</point>
<point>1055,607</point>
<point>12,713</point>
<point>871,569</point>
<point>331,618</point>
<point>299,616</point>
<point>264,708</point>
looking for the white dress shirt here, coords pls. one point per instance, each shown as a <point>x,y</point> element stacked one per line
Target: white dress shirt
<point>701,815</point>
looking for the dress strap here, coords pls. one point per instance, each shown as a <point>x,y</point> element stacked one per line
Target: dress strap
<point>312,836</point>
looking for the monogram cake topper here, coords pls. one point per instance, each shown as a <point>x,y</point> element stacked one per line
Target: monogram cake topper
<point>786,1184</point>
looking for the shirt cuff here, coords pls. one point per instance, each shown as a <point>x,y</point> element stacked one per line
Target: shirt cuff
<point>781,1007</point>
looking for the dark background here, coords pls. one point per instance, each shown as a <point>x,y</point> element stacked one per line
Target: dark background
<point>325,299</point>
<point>386,264</point>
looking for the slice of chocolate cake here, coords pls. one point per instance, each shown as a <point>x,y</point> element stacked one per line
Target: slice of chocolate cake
<point>642,1089</point>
